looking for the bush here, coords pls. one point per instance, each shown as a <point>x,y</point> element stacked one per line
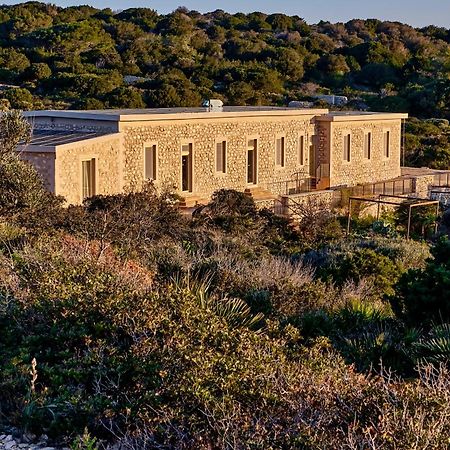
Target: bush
<point>421,295</point>
<point>24,199</point>
<point>130,221</point>
<point>377,260</point>
<point>14,128</point>
<point>119,357</point>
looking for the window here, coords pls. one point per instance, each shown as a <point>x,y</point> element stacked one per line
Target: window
<point>221,157</point>
<point>88,178</point>
<point>186,168</point>
<point>301,151</point>
<point>367,145</point>
<point>387,143</point>
<point>151,162</point>
<point>347,147</point>
<point>279,151</point>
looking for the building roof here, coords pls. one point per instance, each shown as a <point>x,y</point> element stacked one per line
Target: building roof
<point>346,116</point>
<point>129,115</point>
<point>53,138</point>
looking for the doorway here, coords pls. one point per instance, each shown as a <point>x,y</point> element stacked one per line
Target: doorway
<point>186,168</point>
<point>312,158</point>
<point>252,161</point>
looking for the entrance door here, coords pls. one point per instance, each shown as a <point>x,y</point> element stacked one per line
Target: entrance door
<point>252,161</point>
<point>186,168</point>
<point>312,158</point>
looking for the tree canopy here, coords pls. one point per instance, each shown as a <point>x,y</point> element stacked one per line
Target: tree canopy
<point>78,56</point>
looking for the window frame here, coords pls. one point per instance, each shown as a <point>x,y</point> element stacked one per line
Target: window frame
<point>368,134</point>
<point>282,139</point>
<point>224,150</point>
<point>93,174</point>
<point>301,149</point>
<point>153,145</point>
<point>347,156</point>
<point>387,132</point>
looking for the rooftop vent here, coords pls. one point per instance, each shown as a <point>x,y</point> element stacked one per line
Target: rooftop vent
<point>213,105</point>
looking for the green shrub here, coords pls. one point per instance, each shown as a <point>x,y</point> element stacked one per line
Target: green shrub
<point>131,222</point>
<point>24,198</point>
<point>421,295</point>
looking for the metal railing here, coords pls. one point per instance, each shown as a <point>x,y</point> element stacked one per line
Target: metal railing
<point>291,187</point>
<point>442,179</point>
<point>402,186</point>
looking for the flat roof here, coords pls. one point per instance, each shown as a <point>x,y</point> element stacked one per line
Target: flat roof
<point>345,116</point>
<point>151,114</point>
<point>54,138</point>
<point>127,115</point>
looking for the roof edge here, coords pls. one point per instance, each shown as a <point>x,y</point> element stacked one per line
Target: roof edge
<point>57,114</point>
<point>362,117</point>
<point>155,116</point>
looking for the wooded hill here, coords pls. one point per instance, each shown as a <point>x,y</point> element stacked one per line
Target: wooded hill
<point>83,57</point>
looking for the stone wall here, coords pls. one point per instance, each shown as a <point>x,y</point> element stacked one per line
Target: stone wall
<point>287,205</point>
<point>361,170</point>
<point>44,163</point>
<point>422,185</point>
<point>108,154</point>
<point>203,134</point>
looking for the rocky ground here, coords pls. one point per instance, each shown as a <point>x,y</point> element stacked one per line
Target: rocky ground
<point>12,439</point>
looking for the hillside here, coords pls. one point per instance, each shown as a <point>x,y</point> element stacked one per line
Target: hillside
<point>82,57</point>
<point>126,324</point>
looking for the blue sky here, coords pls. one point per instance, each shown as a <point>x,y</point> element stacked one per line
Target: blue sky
<point>414,12</point>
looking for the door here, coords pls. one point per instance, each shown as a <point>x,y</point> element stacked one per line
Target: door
<point>252,161</point>
<point>312,158</point>
<point>186,168</point>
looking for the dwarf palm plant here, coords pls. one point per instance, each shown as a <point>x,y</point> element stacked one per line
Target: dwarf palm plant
<point>435,347</point>
<point>234,310</point>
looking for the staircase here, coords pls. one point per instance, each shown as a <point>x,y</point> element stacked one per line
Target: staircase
<point>188,204</point>
<point>259,194</point>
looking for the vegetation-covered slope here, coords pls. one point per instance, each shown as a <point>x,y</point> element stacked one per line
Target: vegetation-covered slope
<point>77,57</point>
<point>124,321</point>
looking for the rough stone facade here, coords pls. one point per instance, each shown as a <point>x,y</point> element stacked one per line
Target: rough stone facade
<point>360,170</point>
<point>203,135</point>
<point>108,154</point>
<point>120,156</point>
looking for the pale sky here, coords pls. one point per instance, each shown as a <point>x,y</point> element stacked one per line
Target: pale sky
<point>414,12</point>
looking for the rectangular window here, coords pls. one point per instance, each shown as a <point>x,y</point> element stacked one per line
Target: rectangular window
<point>150,162</point>
<point>301,151</point>
<point>88,178</point>
<point>367,145</point>
<point>347,147</point>
<point>387,143</point>
<point>221,157</point>
<point>279,157</point>
<point>186,168</point>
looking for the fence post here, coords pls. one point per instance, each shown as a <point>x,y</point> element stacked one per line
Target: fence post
<point>349,217</point>
<point>409,222</point>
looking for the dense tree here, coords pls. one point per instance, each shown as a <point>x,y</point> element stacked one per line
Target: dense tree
<point>65,56</point>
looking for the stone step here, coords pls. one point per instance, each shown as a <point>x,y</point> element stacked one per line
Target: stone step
<point>259,194</point>
<point>193,201</point>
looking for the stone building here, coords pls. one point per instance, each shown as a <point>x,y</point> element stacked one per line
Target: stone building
<point>266,151</point>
